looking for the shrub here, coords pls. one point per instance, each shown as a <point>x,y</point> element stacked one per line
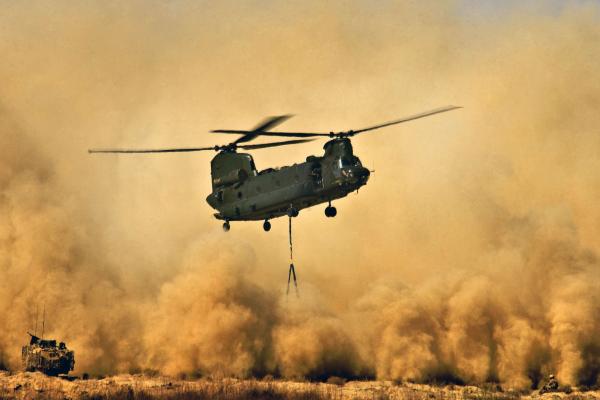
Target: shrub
<point>565,389</point>
<point>336,380</point>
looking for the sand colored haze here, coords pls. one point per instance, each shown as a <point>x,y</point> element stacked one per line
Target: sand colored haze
<point>472,254</point>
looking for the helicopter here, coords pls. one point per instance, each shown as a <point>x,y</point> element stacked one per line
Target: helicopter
<point>240,192</point>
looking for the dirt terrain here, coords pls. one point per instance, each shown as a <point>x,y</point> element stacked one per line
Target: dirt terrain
<point>35,385</point>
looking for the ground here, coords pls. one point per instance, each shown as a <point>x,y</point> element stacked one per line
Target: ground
<point>25,385</point>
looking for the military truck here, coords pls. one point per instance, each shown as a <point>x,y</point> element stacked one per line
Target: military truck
<point>47,357</point>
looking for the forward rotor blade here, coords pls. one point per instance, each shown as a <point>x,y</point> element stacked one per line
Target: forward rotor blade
<point>406,119</point>
<point>249,135</point>
<point>177,150</point>
<point>274,144</point>
<point>265,125</point>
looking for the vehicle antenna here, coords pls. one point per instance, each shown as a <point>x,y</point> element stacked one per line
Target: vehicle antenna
<point>37,309</point>
<point>292,270</point>
<point>44,322</point>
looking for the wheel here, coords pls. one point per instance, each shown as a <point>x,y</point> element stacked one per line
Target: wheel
<point>330,211</point>
<point>267,226</point>
<point>226,226</point>
<point>293,212</point>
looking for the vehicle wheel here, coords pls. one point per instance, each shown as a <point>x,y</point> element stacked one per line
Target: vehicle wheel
<point>267,226</point>
<point>330,212</point>
<point>293,212</point>
<point>226,226</point>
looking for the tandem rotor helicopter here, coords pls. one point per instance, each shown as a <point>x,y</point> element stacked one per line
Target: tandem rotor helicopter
<point>242,193</point>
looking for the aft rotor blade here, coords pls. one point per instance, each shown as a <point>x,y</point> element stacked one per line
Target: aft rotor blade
<point>274,144</point>
<point>263,133</point>
<point>406,119</point>
<point>271,122</point>
<point>265,125</point>
<point>176,150</point>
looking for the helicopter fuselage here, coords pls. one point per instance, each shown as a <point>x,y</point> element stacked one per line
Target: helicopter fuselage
<point>242,193</point>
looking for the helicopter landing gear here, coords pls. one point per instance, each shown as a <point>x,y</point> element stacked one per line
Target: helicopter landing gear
<point>226,226</point>
<point>267,225</point>
<point>330,211</point>
<point>293,212</point>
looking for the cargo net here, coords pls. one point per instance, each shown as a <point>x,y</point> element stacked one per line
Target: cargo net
<point>292,270</point>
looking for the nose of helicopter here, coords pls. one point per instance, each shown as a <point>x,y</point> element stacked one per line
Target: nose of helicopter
<point>363,175</point>
<point>358,175</point>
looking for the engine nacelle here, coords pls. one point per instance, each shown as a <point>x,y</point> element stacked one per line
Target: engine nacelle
<point>233,176</point>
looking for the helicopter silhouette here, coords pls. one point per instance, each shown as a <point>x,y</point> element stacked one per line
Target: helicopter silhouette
<point>240,192</point>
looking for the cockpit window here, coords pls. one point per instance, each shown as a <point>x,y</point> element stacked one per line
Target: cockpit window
<point>349,162</point>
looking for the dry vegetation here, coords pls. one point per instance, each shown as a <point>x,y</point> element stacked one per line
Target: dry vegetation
<point>38,386</point>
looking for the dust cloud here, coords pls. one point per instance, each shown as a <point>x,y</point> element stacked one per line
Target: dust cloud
<point>471,256</point>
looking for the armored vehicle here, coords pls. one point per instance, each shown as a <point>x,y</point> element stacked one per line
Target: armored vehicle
<point>47,357</point>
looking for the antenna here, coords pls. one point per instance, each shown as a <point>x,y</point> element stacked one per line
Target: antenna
<point>37,309</point>
<point>44,322</point>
